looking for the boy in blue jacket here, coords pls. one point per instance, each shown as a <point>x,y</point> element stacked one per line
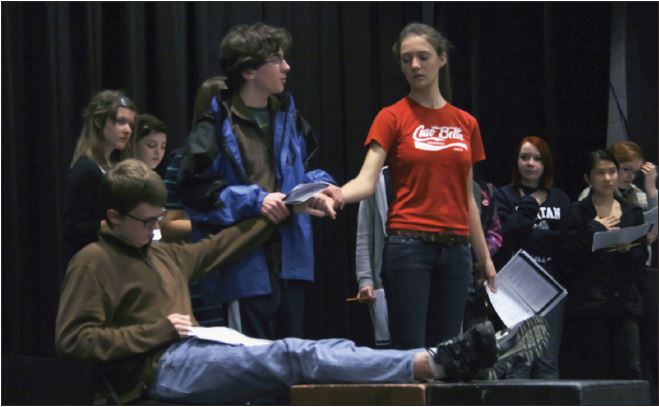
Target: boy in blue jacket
<point>239,163</point>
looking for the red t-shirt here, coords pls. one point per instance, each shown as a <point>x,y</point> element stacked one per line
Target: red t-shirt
<point>429,152</point>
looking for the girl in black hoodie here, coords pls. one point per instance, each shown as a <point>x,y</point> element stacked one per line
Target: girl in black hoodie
<point>531,211</point>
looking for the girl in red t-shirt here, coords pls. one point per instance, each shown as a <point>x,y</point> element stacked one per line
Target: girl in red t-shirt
<point>430,147</point>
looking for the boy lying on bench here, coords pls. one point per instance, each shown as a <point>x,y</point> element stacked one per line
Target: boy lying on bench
<point>125,304</point>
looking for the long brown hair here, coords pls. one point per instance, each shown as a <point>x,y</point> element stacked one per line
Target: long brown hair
<point>101,108</point>
<point>202,101</point>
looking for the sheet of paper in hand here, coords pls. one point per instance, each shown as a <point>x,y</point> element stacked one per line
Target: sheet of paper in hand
<point>524,289</point>
<point>302,192</point>
<point>616,237</point>
<point>226,335</point>
<point>651,217</point>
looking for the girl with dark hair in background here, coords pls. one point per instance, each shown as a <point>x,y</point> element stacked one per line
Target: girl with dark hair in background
<point>108,123</point>
<point>150,140</point>
<point>604,303</point>
<point>634,168</point>
<point>430,147</point>
<point>531,211</point>
<point>176,226</point>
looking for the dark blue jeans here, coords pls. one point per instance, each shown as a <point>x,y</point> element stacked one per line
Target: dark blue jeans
<point>426,289</point>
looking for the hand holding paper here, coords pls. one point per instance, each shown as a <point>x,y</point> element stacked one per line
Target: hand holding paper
<point>336,194</point>
<point>301,193</point>
<point>614,238</point>
<point>182,324</point>
<point>274,207</point>
<point>318,205</point>
<point>226,335</point>
<point>524,289</point>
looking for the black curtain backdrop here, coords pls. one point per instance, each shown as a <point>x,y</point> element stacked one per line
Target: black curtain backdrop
<point>520,68</point>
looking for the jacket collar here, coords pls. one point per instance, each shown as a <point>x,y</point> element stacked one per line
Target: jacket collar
<point>233,103</point>
<point>124,247</point>
<point>588,203</point>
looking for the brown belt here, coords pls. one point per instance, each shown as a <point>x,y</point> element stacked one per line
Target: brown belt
<point>443,238</point>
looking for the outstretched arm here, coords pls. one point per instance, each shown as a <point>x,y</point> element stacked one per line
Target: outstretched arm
<point>363,185</point>
<point>230,243</point>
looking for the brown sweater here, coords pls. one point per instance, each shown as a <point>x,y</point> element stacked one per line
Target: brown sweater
<point>116,298</point>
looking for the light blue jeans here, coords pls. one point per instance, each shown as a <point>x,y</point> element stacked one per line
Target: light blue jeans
<point>203,372</point>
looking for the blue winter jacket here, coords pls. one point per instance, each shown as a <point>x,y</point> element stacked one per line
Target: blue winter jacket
<point>214,189</point>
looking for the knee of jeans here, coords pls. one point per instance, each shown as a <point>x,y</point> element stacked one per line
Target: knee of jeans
<point>305,355</point>
<point>311,347</point>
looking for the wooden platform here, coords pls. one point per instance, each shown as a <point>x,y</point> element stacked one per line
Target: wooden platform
<point>500,392</point>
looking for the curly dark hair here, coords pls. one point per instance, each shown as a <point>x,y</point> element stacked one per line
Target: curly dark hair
<point>247,46</point>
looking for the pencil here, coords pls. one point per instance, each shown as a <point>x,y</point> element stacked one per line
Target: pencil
<point>357,299</point>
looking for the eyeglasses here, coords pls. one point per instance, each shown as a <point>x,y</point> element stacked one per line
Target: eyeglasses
<point>148,222</point>
<point>275,59</point>
<point>122,121</point>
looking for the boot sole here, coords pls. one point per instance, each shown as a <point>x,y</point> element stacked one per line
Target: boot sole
<point>530,339</point>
